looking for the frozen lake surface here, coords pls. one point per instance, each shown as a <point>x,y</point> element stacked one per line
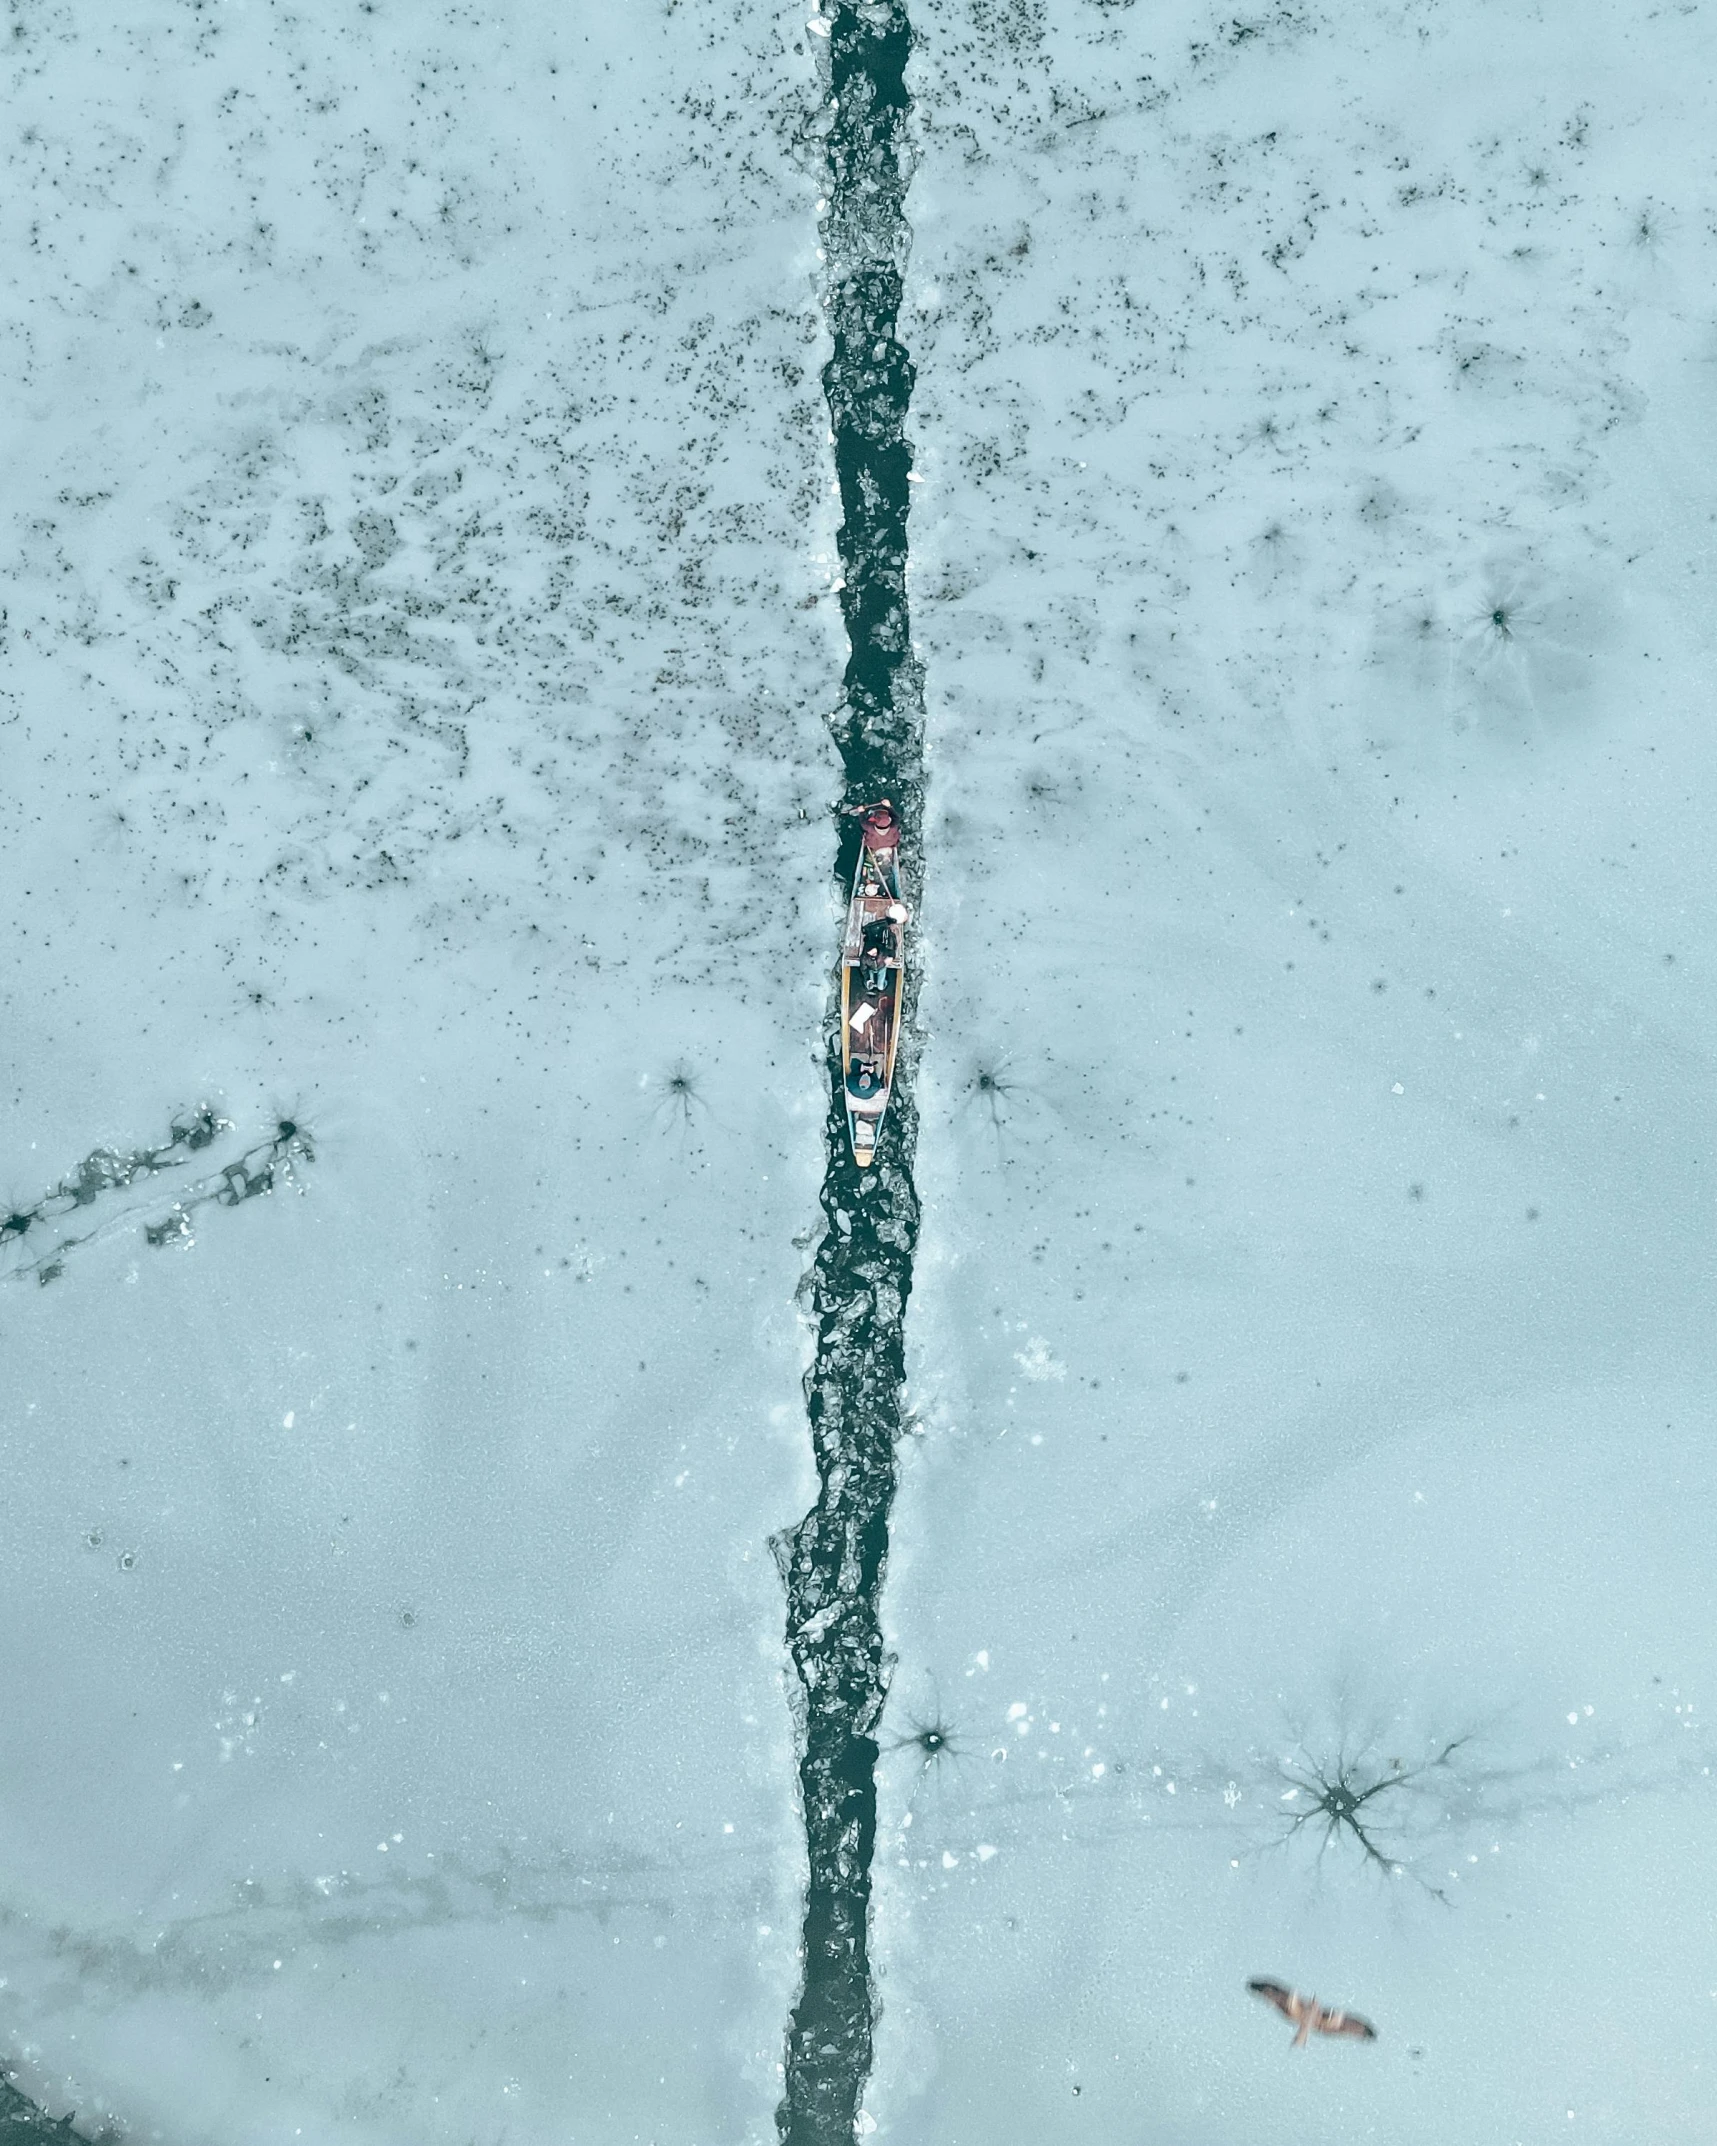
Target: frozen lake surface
<point>421,631</point>
<point>1312,1323</point>
<point>419,642</point>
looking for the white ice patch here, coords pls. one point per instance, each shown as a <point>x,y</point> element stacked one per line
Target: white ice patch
<point>1037,1363</point>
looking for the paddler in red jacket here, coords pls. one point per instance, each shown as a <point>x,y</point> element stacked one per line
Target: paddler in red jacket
<point>881,828</point>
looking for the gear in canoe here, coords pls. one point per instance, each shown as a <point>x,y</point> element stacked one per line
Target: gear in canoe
<point>873,972</point>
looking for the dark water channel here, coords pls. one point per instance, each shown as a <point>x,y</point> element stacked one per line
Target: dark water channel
<point>833,1562</point>
<point>22,2123</point>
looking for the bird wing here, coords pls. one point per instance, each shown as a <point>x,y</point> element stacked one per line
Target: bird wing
<point>1345,2023</point>
<point>1276,1993</point>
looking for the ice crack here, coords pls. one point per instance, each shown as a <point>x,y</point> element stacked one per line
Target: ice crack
<point>263,1167</point>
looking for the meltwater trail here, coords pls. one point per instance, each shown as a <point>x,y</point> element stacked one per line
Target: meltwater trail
<point>833,1562</point>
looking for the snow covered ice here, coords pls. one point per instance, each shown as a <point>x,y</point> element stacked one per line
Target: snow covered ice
<point>1312,1327</point>
<point>419,629</point>
<point>417,588</point>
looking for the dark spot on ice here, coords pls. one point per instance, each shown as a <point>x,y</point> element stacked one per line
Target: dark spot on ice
<point>933,1738</point>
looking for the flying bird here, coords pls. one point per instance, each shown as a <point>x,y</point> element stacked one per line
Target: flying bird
<point>1309,2017</point>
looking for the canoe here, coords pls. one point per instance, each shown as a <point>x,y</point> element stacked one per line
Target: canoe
<point>873,976</point>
